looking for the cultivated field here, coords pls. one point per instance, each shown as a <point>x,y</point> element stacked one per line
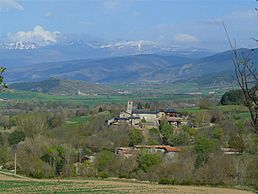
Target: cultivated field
<point>10,184</point>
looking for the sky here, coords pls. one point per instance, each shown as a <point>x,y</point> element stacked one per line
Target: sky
<point>184,23</point>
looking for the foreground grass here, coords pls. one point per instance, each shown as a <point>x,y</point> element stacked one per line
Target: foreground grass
<point>19,185</point>
<point>52,187</point>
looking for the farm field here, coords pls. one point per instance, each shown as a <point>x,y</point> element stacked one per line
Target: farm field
<point>14,185</point>
<point>149,92</point>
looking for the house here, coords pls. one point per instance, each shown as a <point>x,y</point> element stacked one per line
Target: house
<point>147,118</point>
<point>128,152</point>
<point>163,148</point>
<point>230,151</point>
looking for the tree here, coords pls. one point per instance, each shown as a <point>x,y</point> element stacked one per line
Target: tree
<point>232,97</point>
<point>147,160</point>
<point>2,83</point>
<point>103,160</point>
<point>139,105</point>
<point>237,143</point>
<point>147,105</point>
<point>204,103</point>
<point>32,123</point>
<point>15,137</point>
<point>218,133</point>
<point>136,137</point>
<point>166,131</point>
<point>202,119</point>
<point>203,147</point>
<point>179,139</point>
<point>247,78</point>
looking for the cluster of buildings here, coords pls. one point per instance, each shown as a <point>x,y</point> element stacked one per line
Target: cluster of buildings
<point>128,152</point>
<point>139,118</point>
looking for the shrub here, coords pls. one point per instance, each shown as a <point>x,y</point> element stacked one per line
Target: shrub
<point>167,181</point>
<point>218,133</point>
<point>147,160</point>
<point>103,175</point>
<point>103,159</point>
<point>237,143</point>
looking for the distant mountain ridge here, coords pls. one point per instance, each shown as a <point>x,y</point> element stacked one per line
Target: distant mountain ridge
<point>20,54</point>
<point>144,68</point>
<point>57,86</point>
<point>139,68</point>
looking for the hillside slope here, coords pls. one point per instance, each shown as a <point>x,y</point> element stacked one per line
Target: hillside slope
<point>62,87</point>
<point>138,68</point>
<point>133,69</point>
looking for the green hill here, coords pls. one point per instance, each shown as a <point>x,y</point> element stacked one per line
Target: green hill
<point>58,86</point>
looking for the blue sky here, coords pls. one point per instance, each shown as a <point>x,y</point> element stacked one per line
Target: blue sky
<point>185,23</point>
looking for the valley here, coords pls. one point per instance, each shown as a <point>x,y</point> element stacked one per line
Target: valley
<point>128,96</point>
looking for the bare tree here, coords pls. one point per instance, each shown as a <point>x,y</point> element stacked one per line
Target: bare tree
<point>2,83</point>
<point>247,78</point>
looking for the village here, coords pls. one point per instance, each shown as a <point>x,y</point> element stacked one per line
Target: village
<point>146,119</point>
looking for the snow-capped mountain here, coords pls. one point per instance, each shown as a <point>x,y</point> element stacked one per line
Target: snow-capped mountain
<point>135,47</point>
<point>27,53</point>
<point>120,48</point>
<point>81,43</point>
<point>19,45</point>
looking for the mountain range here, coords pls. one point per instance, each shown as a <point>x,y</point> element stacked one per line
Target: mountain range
<point>17,54</point>
<point>121,62</point>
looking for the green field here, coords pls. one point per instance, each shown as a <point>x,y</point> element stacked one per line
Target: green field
<point>105,186</point>
<point>77,121</point>
<point>84,100</point>
<point>137,92</point>
<point>11,186</point>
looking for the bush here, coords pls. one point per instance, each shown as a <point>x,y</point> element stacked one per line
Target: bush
<point>103,175</point>
<point>147,160</point>
<point>218,133</point>
<point>167,181</point>
<point>103,159</point>
<point>237,143</point>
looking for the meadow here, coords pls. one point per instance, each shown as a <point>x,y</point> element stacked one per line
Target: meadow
<point>109,186</point>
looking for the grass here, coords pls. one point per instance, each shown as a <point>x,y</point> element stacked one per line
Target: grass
<point>52,187</point>
<point>103,186</point>
<point>77,121</point>
<point>147,92</point>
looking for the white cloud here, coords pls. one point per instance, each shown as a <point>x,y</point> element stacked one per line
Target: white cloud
<point>38,35</point>
<point>185,38</point>
<point>10,4</point>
